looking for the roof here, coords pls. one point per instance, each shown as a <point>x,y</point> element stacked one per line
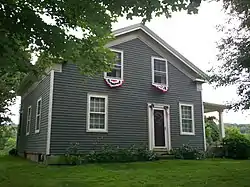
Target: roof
<point>212,107</point>
<point>160,41</point>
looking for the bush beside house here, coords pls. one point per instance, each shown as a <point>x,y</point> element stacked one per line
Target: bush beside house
<point>235,144</point>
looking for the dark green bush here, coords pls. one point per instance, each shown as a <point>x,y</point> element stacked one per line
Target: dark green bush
<point>109,154</point>
<point>188,152</point>
<point>72,155</point>
<point>13,152</point>
<point>215,152</point>
<point>116,154</point>
<point>236,146</point>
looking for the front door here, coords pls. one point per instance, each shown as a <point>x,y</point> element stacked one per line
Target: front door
<point>159,128</point>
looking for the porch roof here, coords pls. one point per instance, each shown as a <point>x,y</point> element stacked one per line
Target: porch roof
<point>213,107</point>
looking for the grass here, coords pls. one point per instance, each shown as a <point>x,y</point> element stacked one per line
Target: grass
<point>15,172</point>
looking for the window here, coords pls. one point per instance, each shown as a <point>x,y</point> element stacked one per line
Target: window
<point>38,115</point>
<point>97,113</point>
<point>117,72</point>
<point>28,121</point>
<point>187,119</point>
<point>159,71</point>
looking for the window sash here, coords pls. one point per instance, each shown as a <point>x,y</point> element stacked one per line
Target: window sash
<point>183,120</point>
<point>97,120</point>
<point>157,73</point>
<point>118,67</point>
<point>29,113</point>
<point>38,115</point>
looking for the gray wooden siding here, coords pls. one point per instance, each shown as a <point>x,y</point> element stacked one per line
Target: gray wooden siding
<point>127,105</point>
<point>35,143</point>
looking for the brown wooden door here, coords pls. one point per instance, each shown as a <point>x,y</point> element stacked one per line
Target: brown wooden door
<point>159,128</point>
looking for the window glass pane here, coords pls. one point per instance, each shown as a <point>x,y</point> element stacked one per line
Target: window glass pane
<point>186,112</point>
<point>116,73</point>
<point>37,122</point>
<point>97,121</point>
<point>39,107</point>
<point>97,104</point>
<point>160,65</point>
<point>118,58</point>
<point>29,112</point>
<point>160,78</point>
<point>187,125</point>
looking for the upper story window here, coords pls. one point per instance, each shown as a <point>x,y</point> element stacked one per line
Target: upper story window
<point>187,119</point>
<point>38,115</point>
<point>28,120</point>
<point>117,71</point>
<point>159,71</point>
<point>97,113</point>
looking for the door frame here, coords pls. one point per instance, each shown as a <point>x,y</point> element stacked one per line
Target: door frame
<point>166,109</point>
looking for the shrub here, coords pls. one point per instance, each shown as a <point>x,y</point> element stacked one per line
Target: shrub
<point>188,152</point>
<point>236,146</point>
<point>212,131</point>
<point>215,152</point>
<point>13,152</point>
<point>116,154</point>
<point>109,154</point>
<point>73,155</point>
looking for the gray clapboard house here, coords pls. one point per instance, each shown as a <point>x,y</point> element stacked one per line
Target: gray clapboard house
<point>153,96</point>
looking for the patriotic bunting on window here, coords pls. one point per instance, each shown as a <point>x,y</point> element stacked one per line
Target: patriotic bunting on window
<point>163,88</point>
<point>113,82</point>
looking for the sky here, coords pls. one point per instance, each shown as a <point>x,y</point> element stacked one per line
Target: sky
<point>195,37</point>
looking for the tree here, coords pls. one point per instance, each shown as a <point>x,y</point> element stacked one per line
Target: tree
<point>7,138</point>
<point>234,52</point>
<point>212,130</point>
<point>44,28</point>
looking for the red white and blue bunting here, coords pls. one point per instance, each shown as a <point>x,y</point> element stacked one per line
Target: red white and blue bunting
<point>113,82</point>
<point>163,88</point>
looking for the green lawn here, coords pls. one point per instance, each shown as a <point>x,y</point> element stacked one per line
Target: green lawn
<point>16,172</point>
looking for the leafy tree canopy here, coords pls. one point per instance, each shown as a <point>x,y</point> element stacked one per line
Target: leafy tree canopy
<point>234,52</point>
<point>212,130</point>
<point>23,32</point>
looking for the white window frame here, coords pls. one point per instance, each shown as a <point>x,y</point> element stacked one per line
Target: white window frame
<point>153,71</point>
<point>105,113</point>
<point>105,73</point>
<point>28,122</point>
<point>192,113</point>
<point>37,130</point>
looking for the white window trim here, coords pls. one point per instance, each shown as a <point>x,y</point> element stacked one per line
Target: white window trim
<point>38,130</point>
<point>192,111</point>
<point>117,51</point>
<point>28,120</point>
<point>106,113</point>
<point>153,72</point>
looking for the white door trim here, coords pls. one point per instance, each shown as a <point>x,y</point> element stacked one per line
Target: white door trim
<point>166,109</point>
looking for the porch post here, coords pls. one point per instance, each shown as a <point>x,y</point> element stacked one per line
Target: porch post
<point>221,124</point>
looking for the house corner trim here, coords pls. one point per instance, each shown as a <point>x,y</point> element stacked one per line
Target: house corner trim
<point>52,74</point>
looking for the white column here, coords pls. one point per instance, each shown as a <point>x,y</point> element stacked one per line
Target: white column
<point>221,124</point>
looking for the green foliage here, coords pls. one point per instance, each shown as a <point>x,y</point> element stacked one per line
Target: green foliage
<point>212,131</point>
<point>7,138</point>
<point>236,145</point>
<point>234,54</point>
<point>13,152</point>
<point>46,29</point>
<point>73,156</point>
<point>109,154</point>
<point>232,132</point>
<point>116,154</point>
<point>188,152</point>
